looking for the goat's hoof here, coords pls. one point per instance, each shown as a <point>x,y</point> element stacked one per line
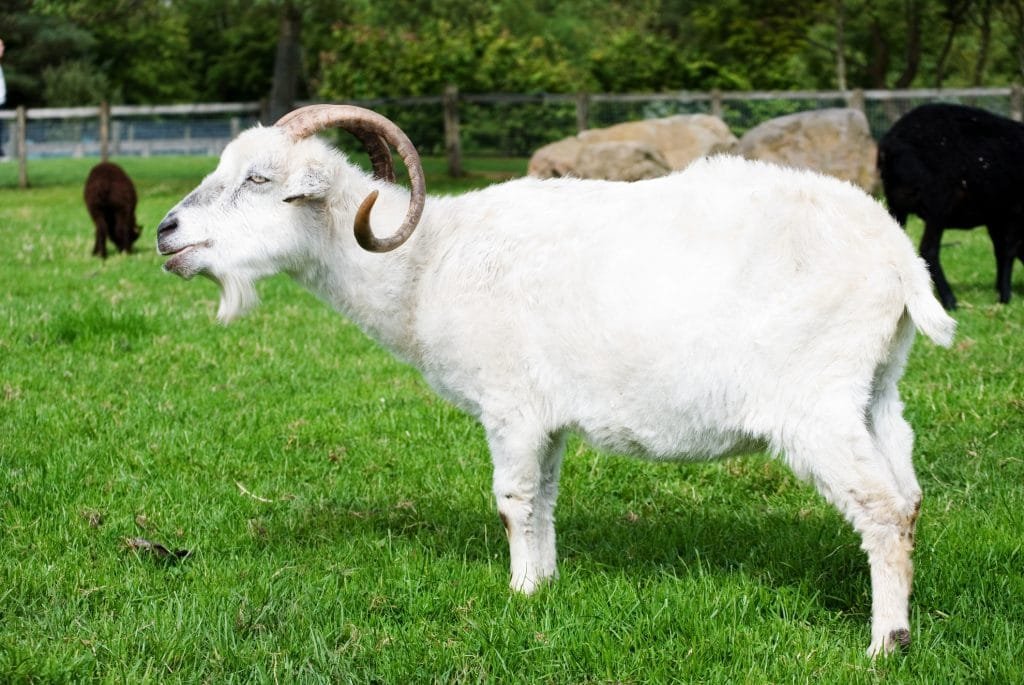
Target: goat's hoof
<point>900,638</point>
<point>896,640</point>
<point>529,584</point>
<point>524,587</point>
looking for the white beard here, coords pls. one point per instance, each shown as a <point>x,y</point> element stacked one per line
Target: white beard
<point>237,296</point>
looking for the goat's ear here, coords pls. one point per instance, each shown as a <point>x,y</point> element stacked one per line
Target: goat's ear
<point>311,184</point>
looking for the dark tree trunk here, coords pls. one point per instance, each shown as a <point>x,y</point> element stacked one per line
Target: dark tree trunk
<point>1016,12</point>
<point>954,14</point>
<point>879,62</point>
<point>912,54</point>
<point>985,41</point>
<point>840,44</point>
<point>287,63</point>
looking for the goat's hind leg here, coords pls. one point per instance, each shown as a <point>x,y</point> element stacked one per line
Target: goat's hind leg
<point>892,435</point>
<point>526,471</point>
<point>931,242</point>
<point>849,470</point>
<point>1006,245</point>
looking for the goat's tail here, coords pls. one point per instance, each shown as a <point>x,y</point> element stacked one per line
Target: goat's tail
<point>925,310</point>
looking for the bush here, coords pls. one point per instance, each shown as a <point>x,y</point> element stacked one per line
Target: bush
<point>76,83</point>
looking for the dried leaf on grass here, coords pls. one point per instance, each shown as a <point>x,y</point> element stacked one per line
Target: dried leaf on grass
<point>245,491</point>
<point>94,518</point>
<point>157,550</point>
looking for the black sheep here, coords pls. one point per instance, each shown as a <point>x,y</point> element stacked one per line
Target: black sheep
<point>957,167</point>
<point>110,198</point>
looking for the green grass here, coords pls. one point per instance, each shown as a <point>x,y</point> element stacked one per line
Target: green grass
<point>339,515</point>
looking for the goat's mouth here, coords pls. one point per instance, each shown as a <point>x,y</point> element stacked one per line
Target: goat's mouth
<point>180,261</point>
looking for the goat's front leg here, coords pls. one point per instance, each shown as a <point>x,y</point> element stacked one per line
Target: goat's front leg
<point>99,248</point>
<point>526,470</point>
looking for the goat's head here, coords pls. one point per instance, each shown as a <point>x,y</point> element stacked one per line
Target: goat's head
<point>134,231</point>
<point>250,218</point>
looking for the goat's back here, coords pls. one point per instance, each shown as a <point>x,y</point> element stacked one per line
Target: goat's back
<point>109,185</point>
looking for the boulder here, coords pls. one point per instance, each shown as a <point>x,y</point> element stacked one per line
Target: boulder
<point>644,146</point>
<point>620,161</point>
<point>837,142</point>
<point>680,139</point>
<point>556,159</point>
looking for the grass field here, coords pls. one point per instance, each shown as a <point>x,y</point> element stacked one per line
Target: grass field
<point>337,516</point>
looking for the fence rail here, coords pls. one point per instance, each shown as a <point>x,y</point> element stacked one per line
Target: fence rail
<point>452,123</point>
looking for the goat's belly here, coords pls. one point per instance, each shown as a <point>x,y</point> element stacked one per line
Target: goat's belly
<point>670,443</point>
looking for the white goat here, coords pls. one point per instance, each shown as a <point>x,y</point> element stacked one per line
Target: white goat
<point>731,307</point>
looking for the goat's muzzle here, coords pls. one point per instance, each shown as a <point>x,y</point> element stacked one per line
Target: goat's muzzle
<point>164,235</point>
<point>179,262</point>
<point>168,225</point>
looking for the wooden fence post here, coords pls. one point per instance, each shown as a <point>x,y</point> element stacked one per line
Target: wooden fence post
<point>22,147</point>
<point>104,130</point>
<point>716,103</point>
<point>452,141</point>
<point>1016,102</point>
<point>582,112</point>
<point>855,99</point>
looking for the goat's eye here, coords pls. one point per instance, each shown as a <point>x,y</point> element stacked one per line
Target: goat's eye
<point>257,179</point>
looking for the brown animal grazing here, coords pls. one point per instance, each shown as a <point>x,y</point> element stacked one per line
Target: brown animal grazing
<point>110,198</point>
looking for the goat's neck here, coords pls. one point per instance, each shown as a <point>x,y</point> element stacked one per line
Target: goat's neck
<point>375,291</point>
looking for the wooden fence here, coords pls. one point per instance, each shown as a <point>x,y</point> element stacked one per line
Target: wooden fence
<point>446,123</point>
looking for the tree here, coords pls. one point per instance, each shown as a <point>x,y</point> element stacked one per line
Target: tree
<point>231,48</point>
<point>840,43</point>
<point>34,43</point>
<point>984,22</point>
<point>1012,12</point>
<point>140,46</point>
<point>287,62</point>
<point>152,51</point>
<point>955,13</point>
<point>912,45</point>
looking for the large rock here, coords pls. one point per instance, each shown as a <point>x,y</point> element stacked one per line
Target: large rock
<point>837,142</point>
<point>555,160</point>
<point>620,161</point>
<point>680,139</point>
<point>643,146</point>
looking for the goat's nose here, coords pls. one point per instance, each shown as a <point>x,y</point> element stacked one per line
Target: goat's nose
<point>168,225</point>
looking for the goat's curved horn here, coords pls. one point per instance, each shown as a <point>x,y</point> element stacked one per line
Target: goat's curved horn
<point>375,132</point>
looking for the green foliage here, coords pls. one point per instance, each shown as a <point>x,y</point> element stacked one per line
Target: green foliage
<point>76,83</point>
<point>245,36</point>
<point>517,128</point>
<point>632,61</point>
<point>483,59</point>
<point>158,51</point>
<point>34,43</point>
<point>373,61</point>
<point>140,47</point>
